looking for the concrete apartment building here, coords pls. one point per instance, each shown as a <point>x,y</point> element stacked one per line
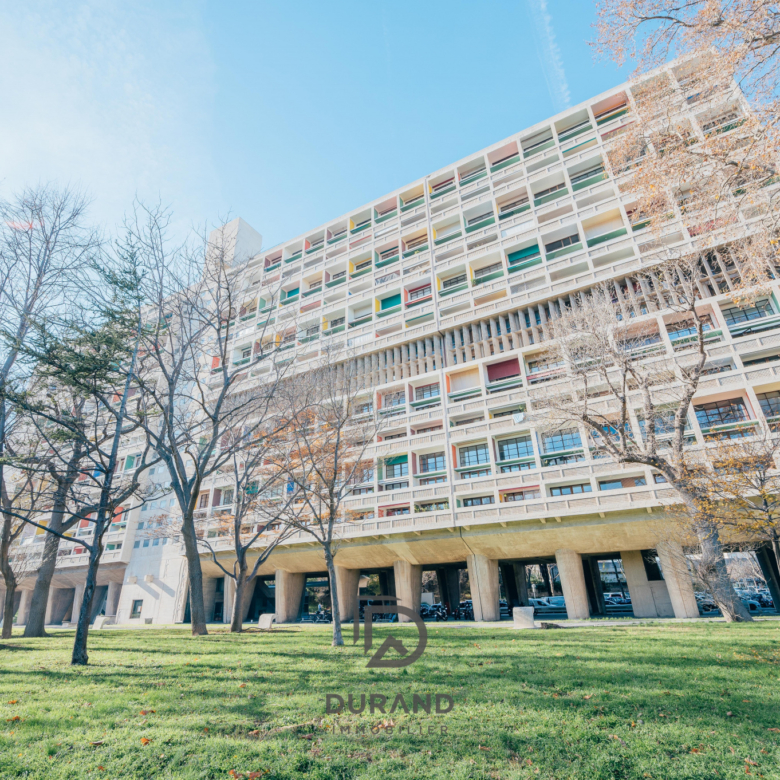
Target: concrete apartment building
<point>441,291</point>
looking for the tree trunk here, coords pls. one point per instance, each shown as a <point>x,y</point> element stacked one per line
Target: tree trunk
<point>237,618</point>
<point>776,550</point>
<point>197,609</point>
<point>36,619</point>
<point>716,575</point>
<point>80,657</point>
<point>8,614</point>
<point>338,639</point>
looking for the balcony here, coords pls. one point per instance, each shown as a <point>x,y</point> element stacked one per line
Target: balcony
<point>416,249</point>
<point>549,196</point>
<point>473,176</point>
<point>461,395</point>
<point>563,251</point>
<point>387,260</point>
<point>573,132</point>
<point>479,222</point>
<point>587,179</point>
<point>604,237</point>
<point>612,113</point>
<point>442,189</point>
<point>335,329</point>
<point>505,163</point>
<point>513,209</point>
<point>362,320</point>
<point>754,325</point>
<point>384,216</point>
<point>390,310</point>
<point>273,267</point>
<point>312,291</point>
<point>447,238</point>
<point>541,146</point>
<point>505,384</point>
<point>524,258</point>
<point>335,281</point>
<point>361,226</point>
<point>313,248</point>
<point>338,237</point>
<point>419,200</point>
<point>290,299</point>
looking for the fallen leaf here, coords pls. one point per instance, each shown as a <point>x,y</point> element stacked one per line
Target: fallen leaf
<point>729,714</point>
<point>615,736</point>
<point>13,720</point>
<point>775,730</point>
<point>14,701</point>
<point>205,730</point>
<point>481,747</point>
<point>589,696</point>
<point>96,744</point>
<point>146,712</point>
<point>145,741</point>
<point>102,768</point>
<point>243,685</point>
<point>752,763</point>
<point>255,733</point>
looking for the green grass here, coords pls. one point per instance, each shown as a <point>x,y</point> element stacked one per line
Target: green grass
<point>664,701</point>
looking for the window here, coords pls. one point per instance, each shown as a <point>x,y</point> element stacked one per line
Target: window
<point>474,455</point>
<point>362,491</point>
<point>522,495</point>
<point>433,462</point>
<point>396,485</point>
<point>312,331</point>
<point>394,399</point>
<point>361,266</point>
<point>395,470</point>
<point>426,391</point>
<point>420,292</point>
<point>227,496</point>
<point>517,467</point>
<point>427,430</point>
<point>562,242</point>
<point>434,506</point>
<point>136,545</point>
<point>479,218</point>
<point>659,479</point>
<point>513,205</point>
<point>475,474</point>
<point>770,403</point>
<point>203,501</point>
<point>394,436</point>
<point>453,282</point>
<point>537,366</point>
<point>757,311</point>
<point>135,612</point>
<point>364,408</point>
<point>479,501</point>
<point>468,421</point>
<point>569,490</point>
<point>549,190</point>
<point>433,480</point>
<point>415,242</point>
<point>721,412</point>
<point>398,510</point>
<point>488,269</point>
<point>619,484</point>
<point>507,413</point>
<point>146,543</point>
<point>519,447</point>
<point>561,441</point>
<point>388,253</point>
<point>679,330</point>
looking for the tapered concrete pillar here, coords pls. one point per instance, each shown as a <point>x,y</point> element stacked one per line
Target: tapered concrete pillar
<point>24,608</point>
<point>575,592</point>
<point>642,602</point>
<point>408,586</point>
<point>230,595</point>
<point>50,602</point>
<point>674,567</point>
<point>347,585</point>
<point>483,579</point>
<point>521,583</point>
<point>78,597</point>
<point>112,598</point>
<point>289,591</point>
<point>449,588</point>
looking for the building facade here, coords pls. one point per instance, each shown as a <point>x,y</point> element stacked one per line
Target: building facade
<point>442,292</point>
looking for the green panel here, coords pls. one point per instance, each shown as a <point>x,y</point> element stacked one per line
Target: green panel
<point>396,460</point>
<point>521,253</point>
<point>393,300</point>
<point>292,292</point>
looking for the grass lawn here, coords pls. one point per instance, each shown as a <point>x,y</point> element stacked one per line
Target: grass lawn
<point>675,700</point>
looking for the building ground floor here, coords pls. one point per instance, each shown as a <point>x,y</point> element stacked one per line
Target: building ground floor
<point>578,568</point>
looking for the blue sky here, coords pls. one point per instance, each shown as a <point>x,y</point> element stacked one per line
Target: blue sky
<point>285,113</point>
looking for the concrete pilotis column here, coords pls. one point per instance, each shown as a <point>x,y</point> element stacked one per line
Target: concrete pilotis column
<point>674,567</point>
<point>289,591</point>
<point>521,583</point>
<point>112,598</point>
<point>642,602</point>
<point>408,586</point>
<point>50,602</point>
<point>347,585</point>
<point>510,585</point>
<point>483,579</point>
<point>230,594</point>
<point>24,608</point>
<point>78,597</point>
<point>575,593</point>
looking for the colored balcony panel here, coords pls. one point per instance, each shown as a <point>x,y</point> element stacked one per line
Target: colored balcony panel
<point>417,201</point>
<point>575,131</point>
<point>604,237</point>
<point>594,178</point>
<point>538,148</point>
<point>481,222</point>
<point>506,162</point>
<point>548,197</point>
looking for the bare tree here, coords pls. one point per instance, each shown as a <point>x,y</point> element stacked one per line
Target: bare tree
<point>603,349</point>
<point>196,392</point>
<point>330,425</point>
<point>44,249</point>
<point>20,498</point>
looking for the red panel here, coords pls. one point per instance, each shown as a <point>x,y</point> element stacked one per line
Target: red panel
<point>503,370</point>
